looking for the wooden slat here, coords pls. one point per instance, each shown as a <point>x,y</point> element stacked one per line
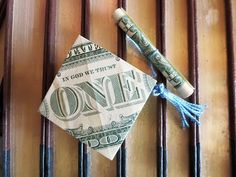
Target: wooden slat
<point>67,28</point>
<point>22,87</point>
<point>103,31</point>
<point>165,23</point>
<point>194,146</point>
<point>230,18</point>
<point>3,6</point>
<point>85,161</point>
<point>2,41</point>
<point>141,141</point>
<point>47,139</point>
<point>162,166</point>
<point>177,53</point>
<point>121,156</point>
<point>6,92</point>
<point>213,88</point>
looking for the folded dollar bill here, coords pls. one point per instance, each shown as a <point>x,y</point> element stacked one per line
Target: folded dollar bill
<point>96,96</point>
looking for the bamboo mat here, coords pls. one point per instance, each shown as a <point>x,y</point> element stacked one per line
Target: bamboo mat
<point>198,37</point>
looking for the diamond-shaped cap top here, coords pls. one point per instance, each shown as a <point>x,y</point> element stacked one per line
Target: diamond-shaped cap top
<point>96,96</point>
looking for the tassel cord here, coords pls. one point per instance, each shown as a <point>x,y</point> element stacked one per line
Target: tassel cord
<point>185,109</point>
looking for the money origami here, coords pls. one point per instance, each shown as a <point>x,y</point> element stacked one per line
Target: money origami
<point>96,96</point>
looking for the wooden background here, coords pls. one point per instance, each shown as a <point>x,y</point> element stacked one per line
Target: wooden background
<point>197,36</point>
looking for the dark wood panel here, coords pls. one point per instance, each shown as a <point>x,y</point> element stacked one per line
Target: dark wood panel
<point>162,166</point>
<point>194,138</point>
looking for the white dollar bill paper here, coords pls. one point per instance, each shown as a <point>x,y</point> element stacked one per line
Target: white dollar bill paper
<point>96,96</point>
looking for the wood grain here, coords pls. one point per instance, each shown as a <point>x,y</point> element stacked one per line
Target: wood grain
<point>2,41</point>
<point>162,166</point>
<point>6,113</point>
<point>23,71</point>
<point>194,138</point>
<point>47,138</point>
<point>25,49</point>
<point>213,88</point>
<point>141,141</point>
<point>3,6</point>
<point>177,53</point>
<point>121,156</point>
<point>66,32</point>
<point>229,18</point>
<point>102,24</point>
<point>233,68</point>
<point>84,151</point>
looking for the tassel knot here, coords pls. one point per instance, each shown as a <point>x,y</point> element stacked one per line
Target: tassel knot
<point>185,109</point>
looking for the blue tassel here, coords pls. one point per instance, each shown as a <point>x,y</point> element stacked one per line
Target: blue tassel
<point>185,109</point>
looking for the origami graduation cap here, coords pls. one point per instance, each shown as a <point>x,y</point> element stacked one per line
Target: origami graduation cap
<point>96,96</point>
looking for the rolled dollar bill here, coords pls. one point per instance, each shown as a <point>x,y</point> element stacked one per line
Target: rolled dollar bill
<point>180,83</point>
